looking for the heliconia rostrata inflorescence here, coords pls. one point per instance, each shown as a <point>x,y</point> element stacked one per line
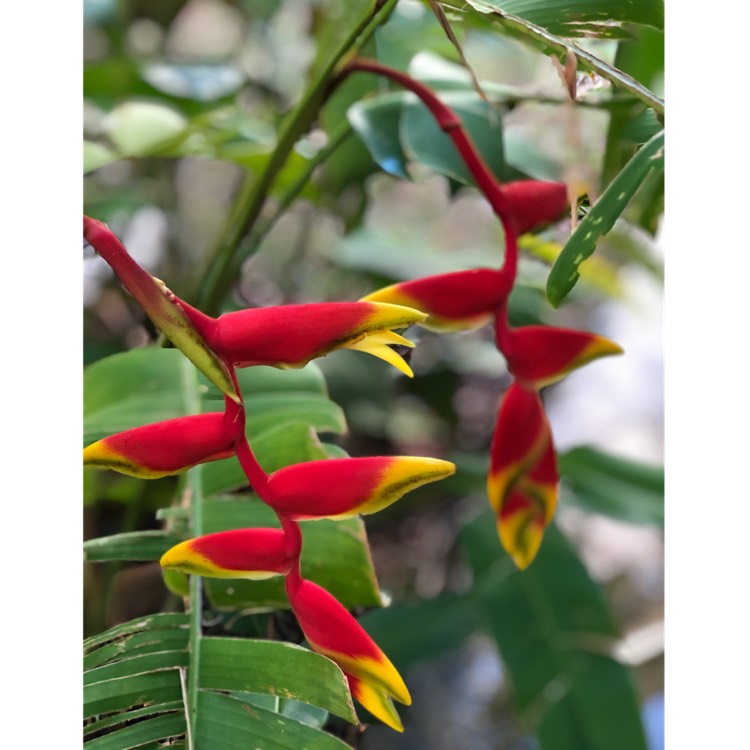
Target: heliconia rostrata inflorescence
<point>523,476</point>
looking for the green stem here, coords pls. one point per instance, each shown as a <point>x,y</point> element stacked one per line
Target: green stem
<point>193,406</point>
<point>226,262</point>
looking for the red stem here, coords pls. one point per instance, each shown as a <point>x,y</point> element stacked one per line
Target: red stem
<point>451,124</point>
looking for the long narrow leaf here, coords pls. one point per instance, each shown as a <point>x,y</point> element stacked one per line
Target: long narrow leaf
<point>136,735</point>
<point>601,218</point>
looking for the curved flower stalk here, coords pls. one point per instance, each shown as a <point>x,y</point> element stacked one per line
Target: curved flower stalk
<point>332,631</point>
<point>164,448</point>
<point>290,336</point>
<point>238,553</point>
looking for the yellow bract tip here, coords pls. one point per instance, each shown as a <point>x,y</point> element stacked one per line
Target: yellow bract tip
<point>378,704</point>
<point>370,345</point>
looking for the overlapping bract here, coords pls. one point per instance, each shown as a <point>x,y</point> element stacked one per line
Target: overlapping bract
<point>332,631</point>
<point>285,336</point>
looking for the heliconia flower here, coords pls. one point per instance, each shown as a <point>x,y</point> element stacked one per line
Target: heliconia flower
<point>528,509</point>
<point>332,631</point>
<point>163,448</point>
<point>161,305</point>
<point>540,355</point>
<point>289,336</point>
<point>521,435</point>
<point>344,487</point>
<point>239,553</point>
<point>456,301</point>
<point>533,203</point>
<point>522,481</point>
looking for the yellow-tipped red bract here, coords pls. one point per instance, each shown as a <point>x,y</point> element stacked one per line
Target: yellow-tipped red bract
<point>344,487</point>
<point>238,553</point>
<point>332,631</point>
<point>163,448</point>
<point>161,305</point>
<point>522,481</point>
<point>541,355</point>
<point>456,301</point>
<point>289,336</point>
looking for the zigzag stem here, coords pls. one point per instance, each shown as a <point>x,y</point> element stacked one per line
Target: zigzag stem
<point>451,124</point>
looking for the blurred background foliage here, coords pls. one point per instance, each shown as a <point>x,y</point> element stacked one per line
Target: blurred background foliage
<point>184,103</point>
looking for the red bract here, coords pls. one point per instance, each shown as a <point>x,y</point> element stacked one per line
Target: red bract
<point>522,480</point>
<point>344,487</point>
<point>541,355</point>
<point>454,301</point>
<point>332,631</point>
<point>289,336</point>
<point>532,203</point>
<point>164,448</point>
<point>160,304</point>
<point>239,553</point>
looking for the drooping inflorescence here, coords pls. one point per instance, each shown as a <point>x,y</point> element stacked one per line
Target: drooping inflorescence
<point>523,477</point>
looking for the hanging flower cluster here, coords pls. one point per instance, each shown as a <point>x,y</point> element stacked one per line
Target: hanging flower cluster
<point>285,336</point>
<point>523,476</point>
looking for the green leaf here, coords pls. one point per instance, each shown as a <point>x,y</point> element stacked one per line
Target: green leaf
<point>376,121</point>
<point>149,730</point>
<point>554,630</point>
<point>128,716</point>
<point>613,486</point>
<point>425,142</point>
<point>135,545</point>
<point>548,41</point>
<point>139,625</point>
<point>601,218</point>
<point>131,389</point>
<point>126,692</point>
<point>335,555</point>
<point>149,641</point>
<point>226,723</point>
<point>144,128</point>
<point>205,83</point>
<point>572,18</point>
<point>419,631</point>
<point>280,669</point>
<point>135,665</point>
<point>143,386</point>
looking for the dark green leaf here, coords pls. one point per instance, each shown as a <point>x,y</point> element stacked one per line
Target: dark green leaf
<point>126,692</point>
<point>601,218</point>
<point>419,631</point>
<point>554,629</point>
<point>149,730</point>
<point>129,716</point>
<point>226,723</point>
<point>584,17</point>
<point>139,625</point>
<point>274,668</point>
<point>616,487</point>
<point>335,555</point>
<point>134,665</point>
<point>149,641</point>
<point>134,545</point>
